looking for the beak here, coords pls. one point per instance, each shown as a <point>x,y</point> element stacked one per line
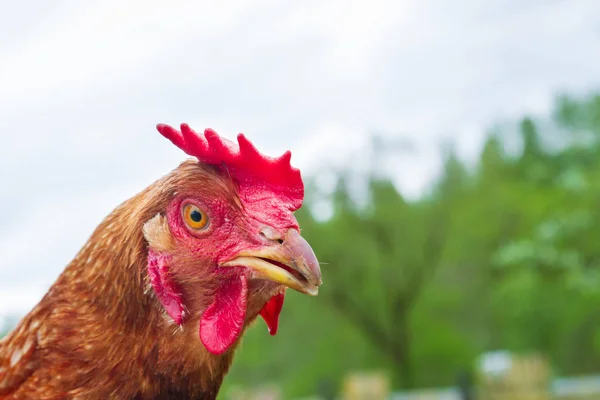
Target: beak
<point>291,263</point>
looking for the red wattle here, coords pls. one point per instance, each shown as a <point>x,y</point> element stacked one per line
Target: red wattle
<point>271,310</point>
<point>223,320</point>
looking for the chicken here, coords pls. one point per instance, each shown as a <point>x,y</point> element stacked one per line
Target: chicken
<point>155,303</point>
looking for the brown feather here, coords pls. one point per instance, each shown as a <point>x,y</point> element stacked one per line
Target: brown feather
<point>99,333</point>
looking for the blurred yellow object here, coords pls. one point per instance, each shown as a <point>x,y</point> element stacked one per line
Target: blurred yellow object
<point>366,386</point>
<point>506,376</point>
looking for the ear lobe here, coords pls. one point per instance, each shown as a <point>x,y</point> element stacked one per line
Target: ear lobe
<point>157,233</point>
<point>165,289</point>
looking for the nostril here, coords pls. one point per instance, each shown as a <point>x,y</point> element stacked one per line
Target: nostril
<point>271,234</point>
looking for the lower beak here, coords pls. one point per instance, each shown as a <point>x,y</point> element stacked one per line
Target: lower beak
<point>292,263</point>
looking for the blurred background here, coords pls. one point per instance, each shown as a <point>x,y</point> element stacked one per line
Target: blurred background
<point>451,152</point>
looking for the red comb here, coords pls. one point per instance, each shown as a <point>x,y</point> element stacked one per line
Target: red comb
<point>242,160</point>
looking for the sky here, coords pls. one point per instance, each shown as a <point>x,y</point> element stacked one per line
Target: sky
<point>83,84</point>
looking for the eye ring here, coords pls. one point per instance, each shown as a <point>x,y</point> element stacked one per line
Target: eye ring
<point>194,217</point>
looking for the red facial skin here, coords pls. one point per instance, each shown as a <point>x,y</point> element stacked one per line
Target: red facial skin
<point>229,230</point>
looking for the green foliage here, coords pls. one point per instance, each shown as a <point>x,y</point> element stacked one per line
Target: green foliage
<point>503,256</point>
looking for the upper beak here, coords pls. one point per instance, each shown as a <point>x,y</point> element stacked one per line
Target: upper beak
<point>291,263</point>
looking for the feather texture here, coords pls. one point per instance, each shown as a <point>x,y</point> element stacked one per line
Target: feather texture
<point>99,333</point>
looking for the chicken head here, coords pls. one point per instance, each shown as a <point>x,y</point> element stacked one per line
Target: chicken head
<point>227,245</point>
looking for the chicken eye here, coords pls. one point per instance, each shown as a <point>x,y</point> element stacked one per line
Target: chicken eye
<point>194,217</point>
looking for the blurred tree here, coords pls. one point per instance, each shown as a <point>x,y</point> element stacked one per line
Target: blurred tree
<point>579,117</point>
<point>380,258</point>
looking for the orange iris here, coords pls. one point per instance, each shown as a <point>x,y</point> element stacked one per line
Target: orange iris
<point>194,217</point>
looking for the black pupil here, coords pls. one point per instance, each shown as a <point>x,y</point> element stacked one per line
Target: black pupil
<point>196,216</point>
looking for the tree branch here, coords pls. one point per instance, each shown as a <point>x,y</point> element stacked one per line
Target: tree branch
<point>364,320</point>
